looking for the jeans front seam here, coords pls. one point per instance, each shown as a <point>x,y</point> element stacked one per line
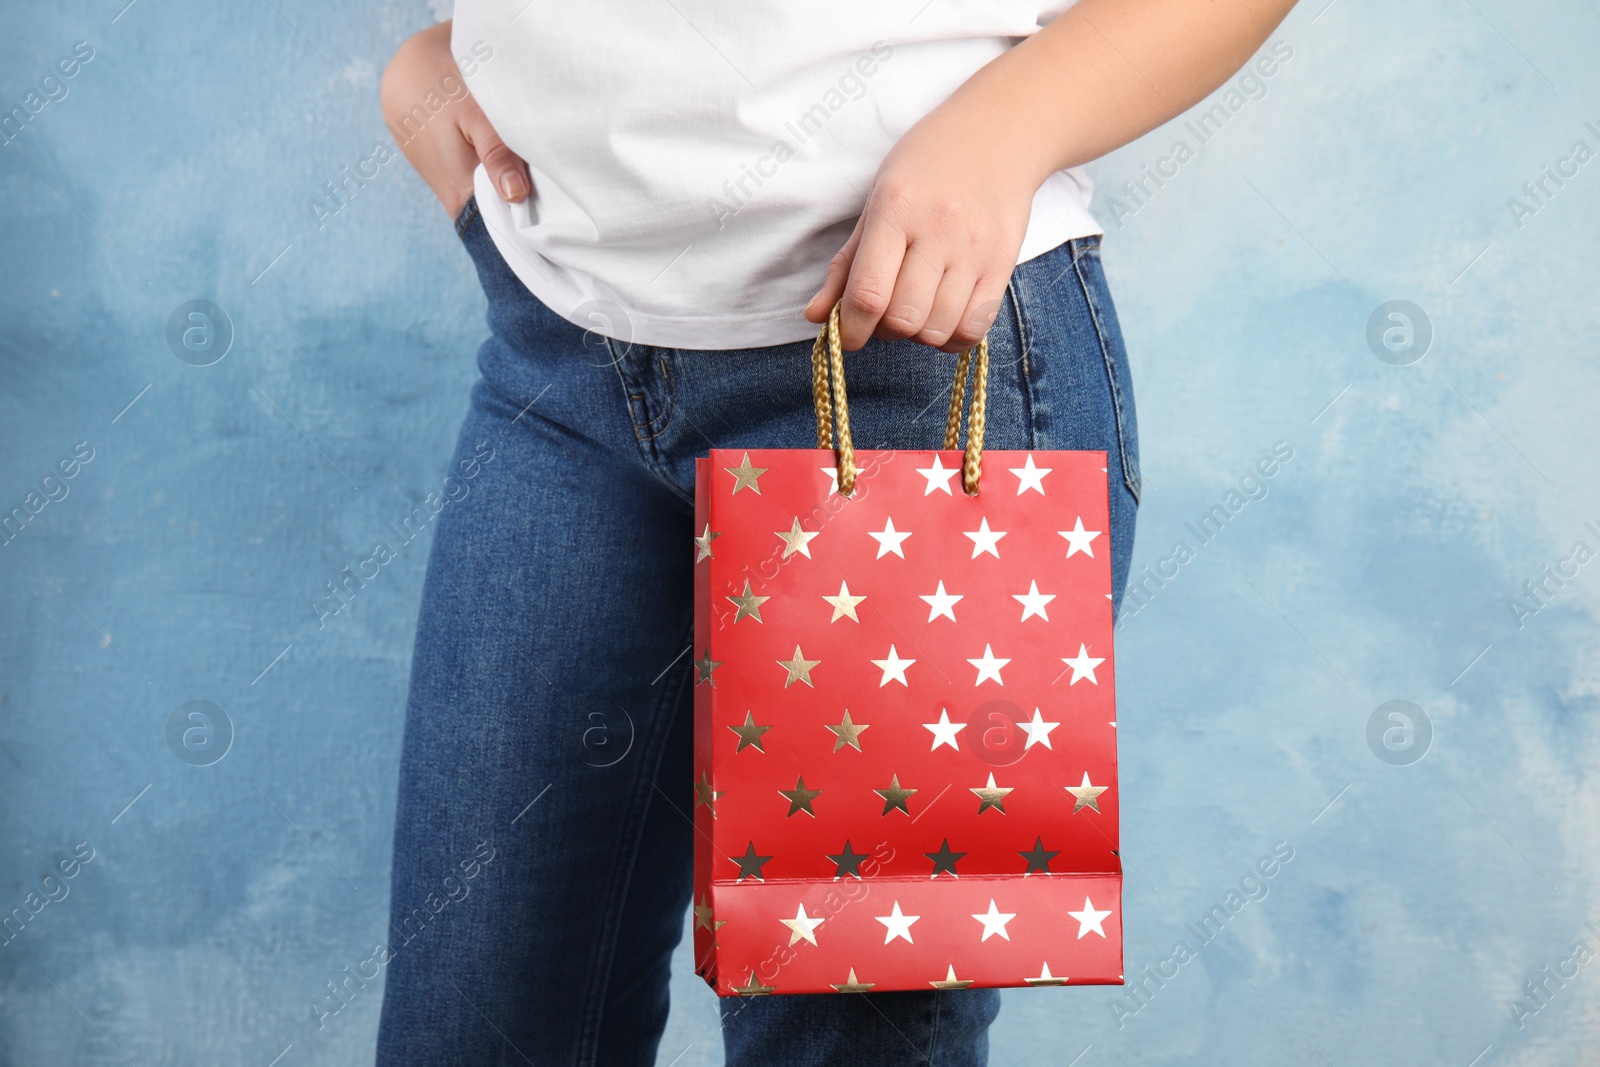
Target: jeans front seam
<point>1130,473</point>
<point>611,924</point>
<point>1017,288</point>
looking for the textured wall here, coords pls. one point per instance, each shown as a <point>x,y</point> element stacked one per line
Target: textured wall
<point>207,905</point>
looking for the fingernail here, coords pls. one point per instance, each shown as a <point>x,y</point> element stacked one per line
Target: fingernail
<point>513,186</point>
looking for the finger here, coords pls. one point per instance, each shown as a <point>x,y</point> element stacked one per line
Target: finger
<point>951,299</point>
<point>913,295</point>
<point>506,169</point>
<point>838,272</point>
<point>873,272</point>
<point>988,296</point>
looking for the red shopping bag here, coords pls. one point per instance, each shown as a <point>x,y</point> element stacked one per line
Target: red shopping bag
<point>905,728</point>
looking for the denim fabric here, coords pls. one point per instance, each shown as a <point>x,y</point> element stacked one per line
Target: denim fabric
<point>543,852</point>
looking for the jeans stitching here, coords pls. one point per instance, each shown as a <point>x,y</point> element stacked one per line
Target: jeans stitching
<point>605,957</point>
<point>1130,473</point>
<point>464,217</point>
<point>1024,336</point>
<point>650,455</point>
<point>933,1040</point>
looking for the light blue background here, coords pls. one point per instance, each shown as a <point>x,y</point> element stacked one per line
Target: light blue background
<point>1377,166</point>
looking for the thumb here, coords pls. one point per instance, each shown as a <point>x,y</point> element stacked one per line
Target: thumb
<point>506,169</point>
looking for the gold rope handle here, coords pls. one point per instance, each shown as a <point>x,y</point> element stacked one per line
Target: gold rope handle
<point>827,362</point>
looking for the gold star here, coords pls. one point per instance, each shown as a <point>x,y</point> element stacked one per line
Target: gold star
<point>752,988</point>
<point>1046,978</point>
<point>991,796</point>
<point>847,732</point>
<point>745,475</point>
<point>844,604</point>
<point>702,917</point>
<point>749,733</point>
<point>799,668</point>
<point>950,981</point>
<point>703,793</point>
<point>803,926</point>
<point>1088,795</point>
<point>704,666</point>
<point>748,603</point>
<point>796,540</point>
<point>750,863</point>
<point>702,544</point>
<point>800,797</point>
<point>852,985</point>
<point>894,796</point>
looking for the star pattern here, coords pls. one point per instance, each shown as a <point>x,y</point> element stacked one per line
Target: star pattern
<point>795,540</point>
<point>1083,666</point>
<point>848,862</point>
<point>894,796</point>
<point>1088,796</point>
<point>988,607</point>
<point>702,544</point>
<point>893,668</point>
<point>897,924</point>
<point>1090,919</point>
<point>847,732</point>
<point>1030,477</point>
<point>1033,602</point>
<point>944,861</point>
<point>749,733</point>
<point>991,796</point>
<point>745,476</point>
<point>748,603</point>
<point>799,668</point>
<point>844,605</point>
<point>994,922</point>
<point>944,731</point>
<point>940,604</point>
<point>985,539</point>
<point>800,797</point>
<point>1079,539</point>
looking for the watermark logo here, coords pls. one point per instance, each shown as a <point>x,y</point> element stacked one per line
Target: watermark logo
<point>199,733</point>
<point>1399,332</point>
<point>199,333</point>
<point>1399,733</point>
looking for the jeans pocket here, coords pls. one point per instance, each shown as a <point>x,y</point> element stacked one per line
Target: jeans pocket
<point>1091,276</point>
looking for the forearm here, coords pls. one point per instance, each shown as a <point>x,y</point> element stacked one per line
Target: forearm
<point>1108,71</point>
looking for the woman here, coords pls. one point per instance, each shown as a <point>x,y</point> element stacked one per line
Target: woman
<point>651,194</point>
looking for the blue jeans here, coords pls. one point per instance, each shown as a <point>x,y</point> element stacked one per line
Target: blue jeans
<point>543,851</point>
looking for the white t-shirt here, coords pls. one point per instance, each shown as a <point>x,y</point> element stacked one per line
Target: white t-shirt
<point>697,163</point>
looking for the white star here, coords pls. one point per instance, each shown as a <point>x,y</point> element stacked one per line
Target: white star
<point>889,539</point>
<point>938,476</point>
<point>804,926</point>
<point>989,666</point>
<point>1083,665</point>
<point>940,603</point>
<point>895,668</point>
<point>1033,602</point>
<point>899,925</point>
<point>844,604</point>
<point>1038,731</point>
<point>1088,919</point>
<point>994,921</point>
<point>1030,477</point>
<point>944,731</point>
<point>985,540</point>
<point>1078,538</point>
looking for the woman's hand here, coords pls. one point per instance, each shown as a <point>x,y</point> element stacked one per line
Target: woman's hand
<point>934,249</point>
<point>445,145</point>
